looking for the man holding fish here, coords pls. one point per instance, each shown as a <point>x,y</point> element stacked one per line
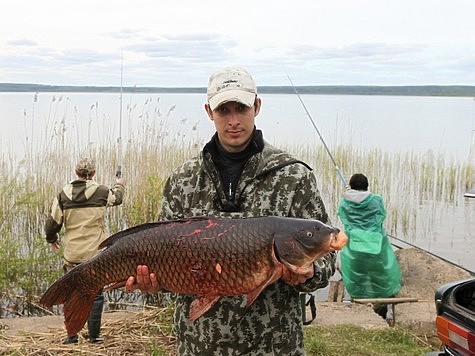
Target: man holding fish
<point>239,175</point>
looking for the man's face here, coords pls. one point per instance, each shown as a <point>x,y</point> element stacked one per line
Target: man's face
<point>234,123</point>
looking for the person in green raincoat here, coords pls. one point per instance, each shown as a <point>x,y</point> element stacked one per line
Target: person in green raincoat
<point>368,264</point>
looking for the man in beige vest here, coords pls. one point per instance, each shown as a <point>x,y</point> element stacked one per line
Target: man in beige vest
<point>80,207</point>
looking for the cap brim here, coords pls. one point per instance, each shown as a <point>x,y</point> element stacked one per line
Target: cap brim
<point>240,96</point>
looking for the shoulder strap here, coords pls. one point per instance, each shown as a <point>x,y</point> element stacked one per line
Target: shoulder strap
<point>313,309</point>
<point>279,166</point>
<point>270,170</point>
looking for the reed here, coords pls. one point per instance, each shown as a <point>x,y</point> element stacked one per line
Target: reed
<point>28,185</point>
<point>406,180</point>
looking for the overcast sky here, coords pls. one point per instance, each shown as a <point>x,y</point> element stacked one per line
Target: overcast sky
<point>180,43</point>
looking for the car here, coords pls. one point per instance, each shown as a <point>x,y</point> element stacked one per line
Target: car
<point>455,321</point>
<point>470,193</point>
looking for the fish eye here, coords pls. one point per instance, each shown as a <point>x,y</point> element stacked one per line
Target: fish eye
<point>309,234</point>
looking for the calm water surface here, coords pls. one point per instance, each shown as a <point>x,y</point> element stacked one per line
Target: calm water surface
<point>391,123</point>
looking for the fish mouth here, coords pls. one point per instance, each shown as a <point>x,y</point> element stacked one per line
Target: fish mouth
<point>338,241</point>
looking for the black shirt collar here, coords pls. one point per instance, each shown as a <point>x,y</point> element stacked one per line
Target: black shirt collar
<point>217,152</point>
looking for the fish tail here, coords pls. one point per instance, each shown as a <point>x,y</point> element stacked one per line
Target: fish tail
<point>77,301</point>
<point>57,293</point>
<point>76,311</point>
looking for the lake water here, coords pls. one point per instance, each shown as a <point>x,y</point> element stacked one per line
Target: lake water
<point>390,123</point>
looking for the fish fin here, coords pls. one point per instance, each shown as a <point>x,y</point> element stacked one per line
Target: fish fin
<point>132,230</point>
<point>76,311</point>
<point>201,305</point>
<point>56,293</point>
<point>60,291</point>
<point>252,295</point>
<point>77,302</point>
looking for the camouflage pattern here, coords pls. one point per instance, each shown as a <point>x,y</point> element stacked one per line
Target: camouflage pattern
<point>272,183</point>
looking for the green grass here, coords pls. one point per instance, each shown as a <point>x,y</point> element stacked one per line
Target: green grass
<point>353,340</point>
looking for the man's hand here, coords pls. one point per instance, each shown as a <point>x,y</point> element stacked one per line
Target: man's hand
<point>55,246</point>
<point>145,281</point>
<point>294,278</point>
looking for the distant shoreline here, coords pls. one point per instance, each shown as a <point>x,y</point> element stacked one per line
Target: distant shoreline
<point>406,90</point>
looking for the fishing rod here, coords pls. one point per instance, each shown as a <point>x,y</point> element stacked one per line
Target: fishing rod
<point>338,170</point>
<point>429,253</point>
<point>118,173</point>
<point>340,175</point>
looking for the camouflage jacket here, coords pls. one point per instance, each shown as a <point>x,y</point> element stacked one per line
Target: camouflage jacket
<point>272,183</point>
<point>80,207</point>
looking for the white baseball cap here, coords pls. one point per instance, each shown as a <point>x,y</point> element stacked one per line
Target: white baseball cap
<point>231,84</point>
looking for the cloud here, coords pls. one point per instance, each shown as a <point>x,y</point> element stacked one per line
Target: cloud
<point>83,56</point>
<point>342,42</point>
<point>21,42</point>
<point>355,51</point>
<point>466,64</point>
<point>126,33</point>
<point>187,59</point>
<point>201,47</point>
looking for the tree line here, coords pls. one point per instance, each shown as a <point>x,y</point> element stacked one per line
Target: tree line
<point>404,90</point>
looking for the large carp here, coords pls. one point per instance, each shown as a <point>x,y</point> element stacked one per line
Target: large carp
<point>206,256</point>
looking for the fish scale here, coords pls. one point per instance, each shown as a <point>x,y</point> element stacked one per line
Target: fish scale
<point>204,256</point>
<point>199,274</point>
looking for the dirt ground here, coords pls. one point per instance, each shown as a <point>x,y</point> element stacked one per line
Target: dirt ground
<point>422,275</point>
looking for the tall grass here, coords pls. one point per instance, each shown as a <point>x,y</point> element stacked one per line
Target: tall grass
<point>28,185</point>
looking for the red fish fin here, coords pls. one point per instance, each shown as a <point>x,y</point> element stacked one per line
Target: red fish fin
<point>76,297</point>
<point>252,295</point>
<point>58,293</point>
<point>201,305</point>
<point>76,311</point>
